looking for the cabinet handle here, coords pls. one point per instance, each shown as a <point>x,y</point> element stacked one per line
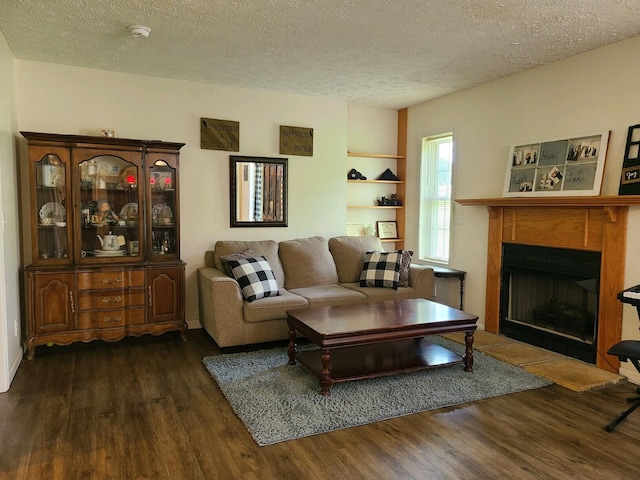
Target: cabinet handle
<point>108,319</point>
<point>113,281</point>
<point>150,297</point>
<point>115,299</point>
<point>72,303</point>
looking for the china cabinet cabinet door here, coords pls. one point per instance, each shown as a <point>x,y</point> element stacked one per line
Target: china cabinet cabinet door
<point>53,303</point>
<point>165,293</point>
<point>108,214</point>
<point>162,201</point>
<point>51,219</point>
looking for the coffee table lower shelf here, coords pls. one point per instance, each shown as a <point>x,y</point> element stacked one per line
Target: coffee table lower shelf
<point>376,360</point>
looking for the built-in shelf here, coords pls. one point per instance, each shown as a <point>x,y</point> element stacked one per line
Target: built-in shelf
<point>392,207</point>
<point>373,155</point>
<point>391,240</point>
<point>396,182</point>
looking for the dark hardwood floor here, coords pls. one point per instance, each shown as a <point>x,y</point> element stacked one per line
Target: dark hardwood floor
<point>146,408</point>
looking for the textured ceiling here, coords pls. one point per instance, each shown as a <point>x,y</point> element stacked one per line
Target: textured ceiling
<point>382,53</point>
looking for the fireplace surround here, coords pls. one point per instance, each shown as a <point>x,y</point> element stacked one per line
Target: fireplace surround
<point>592,224</point>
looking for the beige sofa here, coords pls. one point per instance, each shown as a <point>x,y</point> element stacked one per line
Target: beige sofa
<point>310,272</point>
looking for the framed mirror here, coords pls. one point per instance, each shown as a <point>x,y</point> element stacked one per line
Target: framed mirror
<point>258,191</point>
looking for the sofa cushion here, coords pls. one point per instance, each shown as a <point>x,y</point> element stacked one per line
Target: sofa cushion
<point>272,308</point>
<point>381,269</point>
<point>382,294</point>
<point>255,277</point>
<point>224,259</point>
<point>348,255</point>
<point>264,248</point>
<point>329,295</point>
<point>307,262</point>
<point>405,263</point>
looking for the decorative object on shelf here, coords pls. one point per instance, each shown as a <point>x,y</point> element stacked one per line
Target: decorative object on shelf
<point>630,176</point>
<point>354,229</point>
<point>355,175</point>
<point>52,176</point>
<point>219,135</point>
<point>105,215</point>
<point>393,201</point>
<point>107,132</point>
<point>369,231</point>
<point>296,141</point>
<point>388,175</point>
<point>162,214</point>
<point>52,212</point>
<point>569,166</point>
<point>387,230</point>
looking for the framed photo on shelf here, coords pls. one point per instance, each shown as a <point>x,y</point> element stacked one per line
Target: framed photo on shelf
<point>562,167</point>
<point>354,230</point>
<point>387,230</point>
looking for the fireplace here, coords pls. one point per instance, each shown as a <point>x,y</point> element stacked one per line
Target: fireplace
<point>589,224</point>
<point>549,298</point>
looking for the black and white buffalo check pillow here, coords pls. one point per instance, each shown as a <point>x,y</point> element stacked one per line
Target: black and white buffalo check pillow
<point>381,269</point>
<point>255,277</point>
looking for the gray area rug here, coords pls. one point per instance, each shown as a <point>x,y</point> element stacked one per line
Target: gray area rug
<point>278,402</point>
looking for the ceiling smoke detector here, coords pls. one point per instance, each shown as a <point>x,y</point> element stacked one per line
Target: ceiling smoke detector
<point>139,31</point>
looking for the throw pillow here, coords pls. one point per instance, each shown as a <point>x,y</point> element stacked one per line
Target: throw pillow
<point>224,259</point>
<point>255,277</point>
<point>405,262</point>
<point>381,269</point>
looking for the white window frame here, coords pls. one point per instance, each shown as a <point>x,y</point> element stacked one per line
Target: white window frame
<point>436,200</point>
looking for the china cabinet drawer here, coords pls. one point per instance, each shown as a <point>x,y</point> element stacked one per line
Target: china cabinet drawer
<point>110,300</point>
<point>110,318</point>
<point>110,279</point>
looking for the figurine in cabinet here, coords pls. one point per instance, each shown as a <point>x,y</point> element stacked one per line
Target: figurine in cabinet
<point>105,215</point>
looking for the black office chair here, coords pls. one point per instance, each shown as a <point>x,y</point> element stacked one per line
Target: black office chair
<point>627,350</point>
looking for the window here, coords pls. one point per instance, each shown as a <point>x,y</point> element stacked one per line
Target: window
<point>435,198</point>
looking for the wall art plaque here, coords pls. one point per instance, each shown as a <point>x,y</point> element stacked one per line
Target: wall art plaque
<point>296,141</point>
<point>219,135</point>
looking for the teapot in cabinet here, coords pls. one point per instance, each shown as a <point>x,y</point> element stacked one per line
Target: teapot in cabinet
<point>109,242</point>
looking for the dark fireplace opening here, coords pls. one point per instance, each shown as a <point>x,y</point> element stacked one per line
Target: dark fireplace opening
<point>549,298</point>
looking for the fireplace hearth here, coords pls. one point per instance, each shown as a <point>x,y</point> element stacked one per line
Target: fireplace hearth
<point>549,298</point>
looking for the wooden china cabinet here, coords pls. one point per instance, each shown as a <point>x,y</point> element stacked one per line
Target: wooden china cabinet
<point>103,248</point>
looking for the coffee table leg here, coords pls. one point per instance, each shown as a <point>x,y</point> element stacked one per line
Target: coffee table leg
<point>325,380</point>
<point>292,350</point>
<point>468,353</point>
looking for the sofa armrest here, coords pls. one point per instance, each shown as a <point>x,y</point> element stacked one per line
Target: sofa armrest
<point>220,304</point>
<point>421,278</point>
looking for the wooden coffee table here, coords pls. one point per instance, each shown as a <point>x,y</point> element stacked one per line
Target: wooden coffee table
<point>376,339</point>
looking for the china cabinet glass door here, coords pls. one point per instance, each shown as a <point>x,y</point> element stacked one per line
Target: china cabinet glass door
<point>51,204</point>
<point>109,215</point>
<point>163,204</point>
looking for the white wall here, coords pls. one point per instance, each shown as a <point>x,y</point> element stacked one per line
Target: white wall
<point>10,348</point>
<point>62,99</point>
<point>588,93</point>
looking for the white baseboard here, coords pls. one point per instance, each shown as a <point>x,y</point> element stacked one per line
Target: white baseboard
<point>13,369</point>
<point>193,324</point>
